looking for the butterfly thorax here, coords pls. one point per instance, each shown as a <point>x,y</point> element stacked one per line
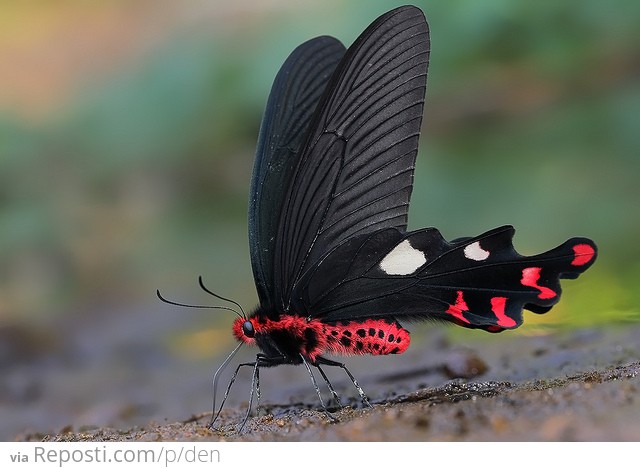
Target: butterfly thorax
<point>294,335</point>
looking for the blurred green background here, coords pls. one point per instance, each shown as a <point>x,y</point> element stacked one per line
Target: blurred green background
<point>127,131</point>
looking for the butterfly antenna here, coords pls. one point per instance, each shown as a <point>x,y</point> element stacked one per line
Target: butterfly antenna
<point>191,306</point>
<point>205,289</point>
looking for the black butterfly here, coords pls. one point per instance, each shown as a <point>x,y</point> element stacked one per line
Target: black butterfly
<point>335,268</point>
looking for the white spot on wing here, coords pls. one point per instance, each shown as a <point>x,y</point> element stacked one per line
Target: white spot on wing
<point>402,260</point>
<point>475,252</point>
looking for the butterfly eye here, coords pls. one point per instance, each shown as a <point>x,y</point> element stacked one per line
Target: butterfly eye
<point>247,329</point>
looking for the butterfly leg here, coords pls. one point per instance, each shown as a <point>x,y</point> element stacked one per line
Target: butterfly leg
<point>214,415</point>
<point>331,389</point>
<point>255,384</point>
<point>261,361</point>
<point>315,386</point>
<point>257,390</point>
<point>329,362</point>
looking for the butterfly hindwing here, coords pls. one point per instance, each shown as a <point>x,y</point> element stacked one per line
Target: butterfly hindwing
<point>479,282</point>
<point>355,173</point>
<point>294,96</point>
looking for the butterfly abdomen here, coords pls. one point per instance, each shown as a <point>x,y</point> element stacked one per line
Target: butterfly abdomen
<point>293,335</point>
<point>371,336</point>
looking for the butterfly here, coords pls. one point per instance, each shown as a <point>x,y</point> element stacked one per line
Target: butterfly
<point>335,268</point>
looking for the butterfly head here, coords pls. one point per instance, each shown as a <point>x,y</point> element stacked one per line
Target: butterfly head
<point>244,329</point>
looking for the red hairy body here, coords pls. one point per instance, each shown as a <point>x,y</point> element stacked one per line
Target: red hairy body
<point>315,338</point>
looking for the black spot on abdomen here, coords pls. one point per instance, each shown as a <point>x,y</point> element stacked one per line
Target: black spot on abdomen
<point>311,340</point>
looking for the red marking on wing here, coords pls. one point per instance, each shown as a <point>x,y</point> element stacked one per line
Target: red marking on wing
<point>457,309</point>
<point>530,277</point>
<point>497,306</point>
<point>583,254</point>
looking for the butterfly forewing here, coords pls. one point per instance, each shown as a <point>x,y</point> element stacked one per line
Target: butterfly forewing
<point>356,171</point>
<point>294,97</point>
